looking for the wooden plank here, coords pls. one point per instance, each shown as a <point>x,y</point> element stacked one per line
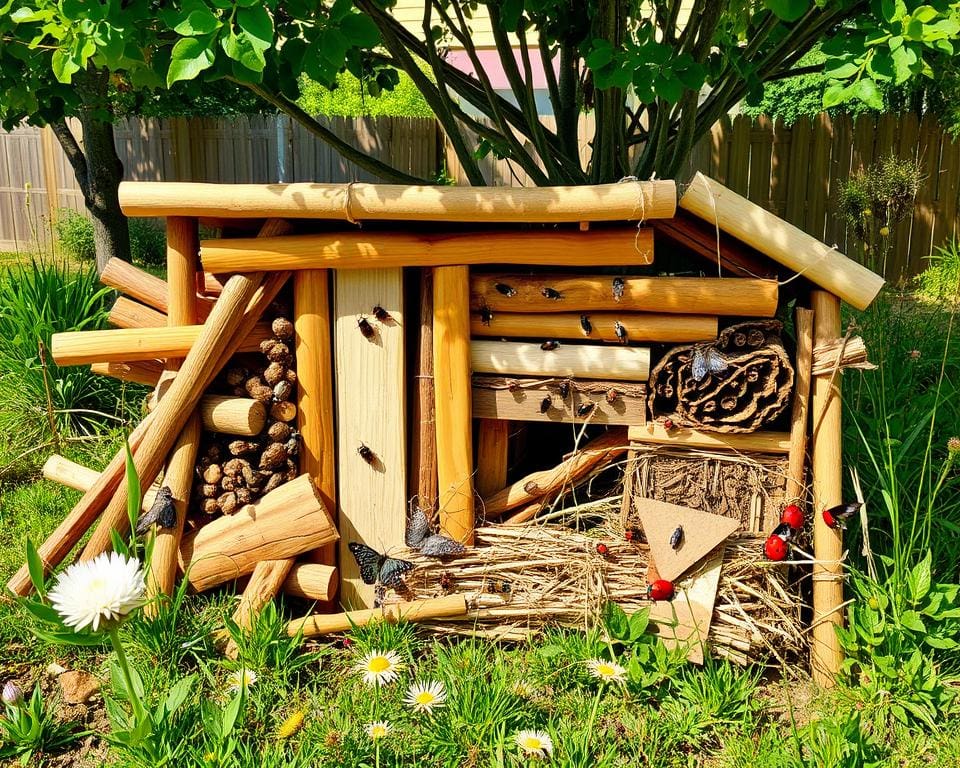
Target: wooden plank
<point>911,255</point>
<point>819,177</point>
<point>800,408</point>
<point>796,211</point>
<point>563,325</point>
<point>365,250</point>
<point>738,259</point>
<point>761,147</point>
<point>738,167</point>
<point>451,376</point>
<point>762,442</point>
<point>594,293</point>
<point>492,444</point>
<point>835,232</point>
<point>495,397</point>
<point>423,453</point>
<point>568,360</point>
<point>370,401</point>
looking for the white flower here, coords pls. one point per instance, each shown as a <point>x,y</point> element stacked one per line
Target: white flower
<point>534,743</point>
<point>426,696</point>
<point>380,667</point>
<point>240,678</point>
<point>98,591</point>
<point>377,729</point>
<point>523,689</point>
<point>607,671</point>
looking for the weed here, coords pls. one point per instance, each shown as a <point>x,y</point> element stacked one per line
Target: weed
<point>29,728</point>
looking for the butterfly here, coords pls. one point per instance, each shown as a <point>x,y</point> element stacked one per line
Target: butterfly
<point>379,569</point>
<point>163,512</point>
<point>418,537</point>
<point>707,360</point>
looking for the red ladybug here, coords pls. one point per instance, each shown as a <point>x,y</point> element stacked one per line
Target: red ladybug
<point>603,549</point>
<point>668,423</point>
<point>836,517</point>
<point>629,534</point>
<point>775,548</point>
<point>792,516</point>
<point>661,589</point>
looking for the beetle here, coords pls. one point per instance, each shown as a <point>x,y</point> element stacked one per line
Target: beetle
<point>551,293</point>
<point>676,538</point>
<point>661,589</point>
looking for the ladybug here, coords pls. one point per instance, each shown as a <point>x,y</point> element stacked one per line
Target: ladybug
<point>628,534</point>
<point>836,517</point>
<point>793,516</point>
<point>603,549</point>
<point>661,589</point>
<point>668,424</point>
<point>775,548</point>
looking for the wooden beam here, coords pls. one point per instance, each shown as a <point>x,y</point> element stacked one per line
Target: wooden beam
<point>127,313</point>
<point>647,327</point>
<point>146,288</point>
<point>312,581</point>
<point>451,376</point>
<point>359,249</point>
<point>595,293</point>
<point>499,398</point>
<point>580,361</point>
<point>142,372</point>
<point>423,453</point>
<point>826,440</point>
<point>492,443</point>
<point>762,442</point>
<point>624,201</point>
<point>800,414</point>
<point>417,610</point>
<point>370,405</point>
<point>781,241</point>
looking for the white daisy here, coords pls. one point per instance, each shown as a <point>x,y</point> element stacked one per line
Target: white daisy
<point>240,678</point>
<point>523,689</point>
<point>607,671</point>
<point>380,667</point>
<point>97,592</point>
<point>534,743</point>
<point>377,729</point>
<point>426,696</point>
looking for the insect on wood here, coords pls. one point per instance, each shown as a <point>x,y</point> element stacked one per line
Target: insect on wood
<point>365,328</point>
<point>618,286</point>
<point>485,315</point>
<point>507,290</point>
<point>381,314</point>
<point>584,409</point>
<point>612,396</point>
<point>706,360</point>
<point>549,346</point>
<point>564,389</point>
<point>545,404</point>
<point>585,325</point>
<point>551,293</point>
<point>676,538</point>
<point>367,454</point>
<point>621,330</point>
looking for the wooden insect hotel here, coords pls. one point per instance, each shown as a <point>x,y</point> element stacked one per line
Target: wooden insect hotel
<point>599,392</point>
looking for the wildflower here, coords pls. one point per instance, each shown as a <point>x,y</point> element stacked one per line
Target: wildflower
<point>534,743</point>
<point>377,729</point>
<point>241,678</point>
<point>953,445</point>
<point>425,697</point>
<point>606,671</point>
<point>523,689</point>
<point>99,591</point>
<point>291,725</point>
<point>914,354</point>
<point>12,695</point>
<point>380,667</point>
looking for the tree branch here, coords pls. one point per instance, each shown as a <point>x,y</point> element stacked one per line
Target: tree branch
<point>74,153</point>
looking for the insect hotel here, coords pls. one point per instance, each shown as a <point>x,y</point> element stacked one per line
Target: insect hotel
<point>484,409</point>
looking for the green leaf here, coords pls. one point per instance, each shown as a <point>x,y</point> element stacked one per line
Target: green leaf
<point>26,15</point>
<point>35,569</point>
<point>905,62</point>
<point>867,91</point>
<point>912,621</point>
<point>599,55</point>
<point>43,612</point>
<point>616,621</point>
<point>134,498</point>
<point>199,22</point>
<point>190,57</point>
<point>178,694</point>
<point>258,25</point>
<point>920,579</point>
<point>788,10</point>
<point>941,643</point>
<point>63,65</point>
<point>638,624</point>
<point>360,30</point>
<point>232,713</point>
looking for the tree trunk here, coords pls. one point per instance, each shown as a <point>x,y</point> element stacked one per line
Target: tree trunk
<point>97,168</point>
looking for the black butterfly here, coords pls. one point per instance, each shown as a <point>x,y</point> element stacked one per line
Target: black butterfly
<point>163,512</point>
<point>418,537</point>
<point>379,569</point>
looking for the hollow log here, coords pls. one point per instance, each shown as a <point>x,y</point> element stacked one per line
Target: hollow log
<point>136,344</point>
<point>567,360</point>
<point>737,384</point>
<point>548,482</point>
<point>759,442</point>
<point>416,610</point>
<point>141,372</point>
<point>597,293</point>
<point>227,415</point>
<point>381,250</point>
<point>597,326</point>
<point>625,201</point>
<point>288,521</point>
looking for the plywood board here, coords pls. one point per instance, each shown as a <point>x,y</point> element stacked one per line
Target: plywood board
<point>685,620</point>
<point>702,533</point>
<point>370,399</point>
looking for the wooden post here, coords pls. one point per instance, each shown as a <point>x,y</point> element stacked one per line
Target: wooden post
<point>416,610</point>
<point>826,439</point>
<point>424,451</point>
<point>451,375</point>
<point>492,441</point>
<point>800,416</point>
<point>143,372</point>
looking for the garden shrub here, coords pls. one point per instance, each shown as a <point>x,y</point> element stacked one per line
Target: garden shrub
<point>940,282</point>
<point>75,235</point>
<point>148,244</point>
<point>351,98</point>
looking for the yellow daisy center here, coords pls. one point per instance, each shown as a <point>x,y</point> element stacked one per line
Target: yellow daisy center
<point>379,664</point>
<point>532,742</point>
<point>425,697</point>
<point>605,670</point>
<point>378,731</point>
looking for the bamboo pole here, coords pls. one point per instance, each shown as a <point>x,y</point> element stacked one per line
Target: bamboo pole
<point>423,478</point>
<point>492,442</point>
<point>134,344</point>
<point>630,201</point>
<point>781,241</point>
<point>568,360</point>
<point>451,367</point>
<point>268,578</point>
<point>142,372</point>
<point>288,521</point>
<point>602,326</point>
<point>759,442</point>
<point>240,304</point>
<point>800,414</point>
<point>736,296</point>
<point>544,483</point>
<point>827,484</point>
<point>380,250</point>
<point>416,610</point>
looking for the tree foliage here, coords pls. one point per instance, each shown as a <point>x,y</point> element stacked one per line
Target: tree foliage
<point>654,80</point>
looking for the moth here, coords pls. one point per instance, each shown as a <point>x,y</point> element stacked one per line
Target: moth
<point>707,360</point>
<point>163,512</point>
<point>381,314</point>
<point>618,286</point>
<point>551,293</point>
<point>365,328</point>
<point>676,538</point>
<point>549,346</point>
<point>585,325</point>
<point>379,569</point>
<point>507,290</point>
<point>419,537</point>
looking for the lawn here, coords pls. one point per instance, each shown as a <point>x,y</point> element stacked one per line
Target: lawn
<point>289,702</point>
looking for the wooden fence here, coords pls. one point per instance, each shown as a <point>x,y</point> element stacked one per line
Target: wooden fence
<point>794,171</point>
